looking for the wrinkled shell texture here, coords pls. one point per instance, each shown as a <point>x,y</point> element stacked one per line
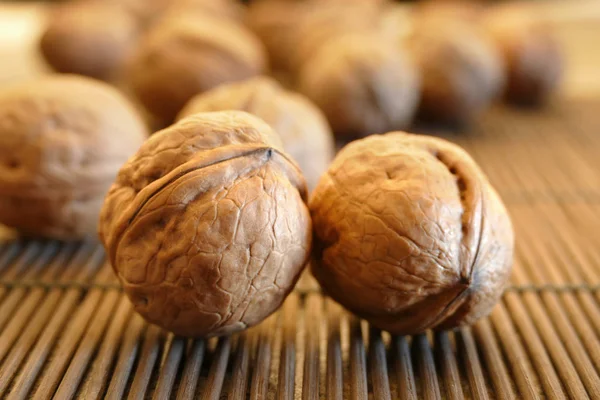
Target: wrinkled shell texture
<point>303,129</point>
<point>363,84</point>
<point>417,240</point>
<point>461,71</point>
<point>207,226</point>
<point>63,141</point>
<point>533,59</point>
<point>184,56</point>
<point>79,40</point>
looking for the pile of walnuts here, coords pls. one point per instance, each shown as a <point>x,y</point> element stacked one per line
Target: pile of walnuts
<point>210,221</point>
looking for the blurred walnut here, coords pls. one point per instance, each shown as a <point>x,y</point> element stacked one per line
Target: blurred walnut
<point>89,38</point>
<point>532,56</point>
<point>461,71</point>
<point>148,12</point>
<point>363,84</point>
<point>294,31</point>
<point>207,226</point>
<point>184,56</point>
<point>300,124</point>
<point>63,140</point>
<point>410,235</point>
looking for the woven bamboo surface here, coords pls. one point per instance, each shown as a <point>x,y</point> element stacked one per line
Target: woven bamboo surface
<point>67,330</point>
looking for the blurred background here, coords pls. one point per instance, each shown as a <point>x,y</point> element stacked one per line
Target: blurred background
<point>575,24</point>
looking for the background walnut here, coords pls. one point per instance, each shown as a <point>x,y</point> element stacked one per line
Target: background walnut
<point>418,239</point>
<point>63,140</point>
<point>79,40</point>
<point>293,31</point>
<point>207,226</point>
<point>363,84</point>
<point>300,124</point>
<point>461,71</point>
<point>186,55</point>
<point>532,56</point>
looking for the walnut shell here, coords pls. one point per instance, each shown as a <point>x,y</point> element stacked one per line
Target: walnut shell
<point>184,56</point>
<point>409,234</point>
<point>207,226</point>
<point>294,31</point>
<point>64,139</point>
<point>79,40</point>
<point>303,129</point>
<point>532,57</point>
<point>461,71</point>
<point>363,84</point>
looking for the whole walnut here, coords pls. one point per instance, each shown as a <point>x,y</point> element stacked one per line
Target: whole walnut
<point>363,84</point>
<point>79,40</point>
<point>293,31</point>
<point>532,57</point>
<point>325,22</point>
<point>186,55</point>
<point>409,234</point>
<point>64,139</point>
<point>303,129</point>
<point>207,226</point>
<point>461,71</point>
<point>275,23</point>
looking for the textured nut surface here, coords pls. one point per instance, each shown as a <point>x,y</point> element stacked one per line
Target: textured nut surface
<point>409,234</point>
<point>187,55</point>
<point>64,139</point>
<point>363,84</point>
<point>532,57</point>
<point>461,71</point>
<point>207,226</point>
<point>79,40</point>
<point>303,129</point>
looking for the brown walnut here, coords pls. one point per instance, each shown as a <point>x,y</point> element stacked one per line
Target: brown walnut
<point>207,226</point>
<point>302,127</point>
<point>90,38</point>
<point>363,84</point>
<point>461,71</point>
<point>189,54</point>
<point>64,139</point>
<point>409,234</point>
<point>294,31</point>
<point>532,57</point>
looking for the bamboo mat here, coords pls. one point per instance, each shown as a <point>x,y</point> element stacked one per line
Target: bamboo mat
<point>67,331</point>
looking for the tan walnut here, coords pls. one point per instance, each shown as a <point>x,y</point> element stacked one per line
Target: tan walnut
<point>89,38</point>
<point>188,54</point>
<point>363,83</point>
<point>63,140</point>
<point>409,234</point>
<point>533,58</point>
<point>461,71</point>
<point>207,226</point>
<point>303,129</point>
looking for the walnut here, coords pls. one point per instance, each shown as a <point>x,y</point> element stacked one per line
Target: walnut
<point>532,56</point>
<point>461,71</point>
<point>294,31</point>
<point>207,226</point>
<point>409,234</point>
<point>302,127</point>
<point>79,40</point>
<point>183,56</point>
<point>363,84</point>
<point>63,140</point>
